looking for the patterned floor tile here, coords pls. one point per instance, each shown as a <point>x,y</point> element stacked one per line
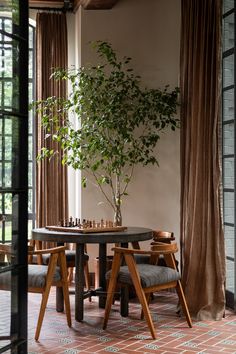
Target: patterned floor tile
<point>123,335</point>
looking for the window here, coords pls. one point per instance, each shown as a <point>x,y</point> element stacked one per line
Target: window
<point>14,173</point>
<point>7,99</point>
<point>229,147</point>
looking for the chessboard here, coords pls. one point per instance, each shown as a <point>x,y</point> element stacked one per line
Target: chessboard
<point>85,226</point>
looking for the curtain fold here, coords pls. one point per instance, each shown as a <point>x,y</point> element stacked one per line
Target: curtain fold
<point>51,177</point>
<point>202,240</point>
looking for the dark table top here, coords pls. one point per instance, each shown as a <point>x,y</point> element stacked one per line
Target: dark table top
<point>131,234</point>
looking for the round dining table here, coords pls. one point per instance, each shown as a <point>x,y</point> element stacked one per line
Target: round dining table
<point>131,235</point>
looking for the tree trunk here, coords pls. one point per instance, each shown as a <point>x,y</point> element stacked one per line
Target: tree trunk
<point>118,216</point>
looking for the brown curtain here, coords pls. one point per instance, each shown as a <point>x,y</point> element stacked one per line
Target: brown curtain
<point>51,177</point>
<point>202,242</point>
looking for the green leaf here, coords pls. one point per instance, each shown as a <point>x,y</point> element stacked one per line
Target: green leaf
<point>119,121</point>
<point>84,182</point>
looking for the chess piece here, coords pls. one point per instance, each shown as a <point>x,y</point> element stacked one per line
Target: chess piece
<point>70,221</point>
<point>79,224</point>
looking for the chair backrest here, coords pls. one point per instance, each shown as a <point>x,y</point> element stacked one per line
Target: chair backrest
<point>167,250</point>
<point>163,236</point>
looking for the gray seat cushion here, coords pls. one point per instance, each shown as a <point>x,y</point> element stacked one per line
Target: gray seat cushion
<point>150,275</point>
<point>36,277</point>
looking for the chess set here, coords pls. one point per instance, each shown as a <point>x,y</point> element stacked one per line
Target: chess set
<point>86,226</point>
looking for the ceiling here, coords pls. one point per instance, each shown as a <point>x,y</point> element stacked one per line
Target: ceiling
<point>74,4</point>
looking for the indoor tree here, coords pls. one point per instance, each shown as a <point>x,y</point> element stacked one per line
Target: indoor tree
<point>120,122</point>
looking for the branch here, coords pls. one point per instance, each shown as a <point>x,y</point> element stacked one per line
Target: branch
<point>101,189</point>
<point>127,183</point>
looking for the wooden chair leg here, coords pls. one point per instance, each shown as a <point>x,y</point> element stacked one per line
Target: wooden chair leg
<point>140,293</point>
<point>111,287</point>
<point>183,303</point>
<point>62,262</point>
<point>51,270</point>
<point>148,297</point>
<point>70,274</point>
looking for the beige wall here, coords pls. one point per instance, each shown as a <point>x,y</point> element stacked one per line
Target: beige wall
<point>149,32</point>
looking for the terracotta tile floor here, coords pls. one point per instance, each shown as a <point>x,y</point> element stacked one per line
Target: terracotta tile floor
<point>129,335</point>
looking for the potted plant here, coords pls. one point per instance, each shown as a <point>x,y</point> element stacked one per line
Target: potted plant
<point>120,123</point>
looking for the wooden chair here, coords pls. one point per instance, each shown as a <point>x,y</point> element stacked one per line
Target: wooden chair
<point>70,261</point>
<point>42,277</point>
<point>146,278</point>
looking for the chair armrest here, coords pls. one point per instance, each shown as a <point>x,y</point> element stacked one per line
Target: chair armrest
<point>157,248</point>
<point>49,250</point>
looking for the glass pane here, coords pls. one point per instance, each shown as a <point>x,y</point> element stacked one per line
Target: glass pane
<point>30,126</point>
<point>5,305</point>
<point>7,94</point>
<point>8,231</point>
<point>228,104</point>
<point>30,203</point>
<point>228,71</point>
<point>30,176</point>
<point>228,40</point>
<point>8,25</point>
<point>228,138</point>
<point>7,63</point>
<point>230,275</point>
<point>8,147</point>
<point>228,172</point>
<point>7,177</point>
<point>30,140</point>
<point>1,95</point>
<point>15,88</point>
<point>228,5</point>
<point>30,64</point>
<point>8,126</point>
<point>31,37</point>
<point>8,203</point>
<point>30,93</point>
<point>229,240</point>
<point>5,259</point>
<point>229,207</point>
<point>30,227</point>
